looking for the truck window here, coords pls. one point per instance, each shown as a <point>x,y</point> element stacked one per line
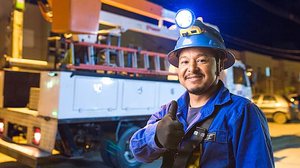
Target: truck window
<point>239,76</point>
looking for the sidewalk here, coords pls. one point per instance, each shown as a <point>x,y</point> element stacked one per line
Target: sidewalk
<point>286,144</point>
<point>288,158</point>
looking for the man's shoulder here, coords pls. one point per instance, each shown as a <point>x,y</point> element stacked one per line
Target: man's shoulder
<point>237,105</point>
<point>241,106</point>
<point>236,99</point>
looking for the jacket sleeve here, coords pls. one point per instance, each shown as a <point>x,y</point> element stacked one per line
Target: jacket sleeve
<point>142,143</point>
<point>251,139</point>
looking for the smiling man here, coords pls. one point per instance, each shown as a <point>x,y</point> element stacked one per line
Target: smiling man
<point>196,72</point>
<point>207,126</point>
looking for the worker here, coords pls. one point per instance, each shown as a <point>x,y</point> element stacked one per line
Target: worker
<point>207,126</point>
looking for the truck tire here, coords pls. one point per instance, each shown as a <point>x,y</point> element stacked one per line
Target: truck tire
<point>280,118</point>
<point>124,157</point>
<point>106,153</point>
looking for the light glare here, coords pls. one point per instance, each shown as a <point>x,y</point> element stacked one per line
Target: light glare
<point>184,18</point>
<point>1,127</point>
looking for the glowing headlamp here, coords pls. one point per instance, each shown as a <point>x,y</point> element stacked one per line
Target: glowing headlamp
<point>184,18</point>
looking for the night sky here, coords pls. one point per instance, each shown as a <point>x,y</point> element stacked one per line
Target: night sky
<point>262,26</point>
<point>270,27</point>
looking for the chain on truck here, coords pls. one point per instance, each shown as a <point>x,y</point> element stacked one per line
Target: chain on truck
<point>105,73</point>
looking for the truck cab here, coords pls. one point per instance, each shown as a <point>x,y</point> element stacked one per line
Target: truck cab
<point>236,80</point>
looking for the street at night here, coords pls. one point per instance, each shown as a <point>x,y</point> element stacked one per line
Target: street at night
<point>285,139</point>
<point>112,84</point>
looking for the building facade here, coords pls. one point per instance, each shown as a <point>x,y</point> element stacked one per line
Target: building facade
<point>272,75</point>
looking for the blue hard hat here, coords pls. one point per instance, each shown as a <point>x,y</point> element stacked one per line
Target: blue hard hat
<point>203,36</point>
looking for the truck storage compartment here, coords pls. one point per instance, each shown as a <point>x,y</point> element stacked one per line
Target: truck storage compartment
<point>17,86</point>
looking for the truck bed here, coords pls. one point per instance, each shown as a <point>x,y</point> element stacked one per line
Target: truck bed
<point>28,153</point>
<point>25,154</point>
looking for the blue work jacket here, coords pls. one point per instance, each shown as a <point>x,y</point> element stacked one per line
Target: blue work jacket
<point>241,131</point>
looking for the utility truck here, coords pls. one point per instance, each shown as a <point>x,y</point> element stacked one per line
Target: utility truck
<point>94,90</point>
<point>236,80</point>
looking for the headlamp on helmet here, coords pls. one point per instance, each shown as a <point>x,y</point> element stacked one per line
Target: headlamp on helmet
<point>196,33</point>
<point>184,18</point>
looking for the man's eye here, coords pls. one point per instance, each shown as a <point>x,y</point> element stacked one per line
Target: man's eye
<point>202,60</point>
<point>184,62</point>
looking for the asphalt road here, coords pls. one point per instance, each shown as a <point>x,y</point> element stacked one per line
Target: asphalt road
<point>285,140</point>
<point>89,161</point>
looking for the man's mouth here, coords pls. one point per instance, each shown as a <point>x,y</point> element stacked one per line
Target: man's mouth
<point>194,77</point>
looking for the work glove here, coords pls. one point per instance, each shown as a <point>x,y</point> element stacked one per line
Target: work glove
<point>169,131</point>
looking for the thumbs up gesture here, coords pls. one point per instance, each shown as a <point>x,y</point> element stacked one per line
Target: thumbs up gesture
<point>169,131</point>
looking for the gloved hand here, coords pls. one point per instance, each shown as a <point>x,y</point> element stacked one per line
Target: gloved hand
<point>169,131</point>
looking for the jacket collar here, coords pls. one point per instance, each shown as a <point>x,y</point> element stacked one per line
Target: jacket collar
<point>222,96</point>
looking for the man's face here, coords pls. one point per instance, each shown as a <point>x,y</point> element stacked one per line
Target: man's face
<point>197,69</point>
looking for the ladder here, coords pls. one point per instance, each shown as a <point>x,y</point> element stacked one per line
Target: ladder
<point>137,62</point>
<point>108,58</point>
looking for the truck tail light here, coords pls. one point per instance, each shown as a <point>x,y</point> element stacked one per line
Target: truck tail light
<point>36,136</point>
<point>1,126</point>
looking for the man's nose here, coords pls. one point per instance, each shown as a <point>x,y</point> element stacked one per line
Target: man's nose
<point>193,66</point>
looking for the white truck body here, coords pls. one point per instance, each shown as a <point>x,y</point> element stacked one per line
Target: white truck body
<point>76,96</point>
<point>69,102</point>
<point>236,80</point>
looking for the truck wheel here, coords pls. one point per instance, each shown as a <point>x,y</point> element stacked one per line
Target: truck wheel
<point>108,152</point>
<point>124,157</point>
<point>279,118</point>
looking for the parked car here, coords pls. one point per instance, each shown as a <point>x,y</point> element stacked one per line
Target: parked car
<point>276,107</point>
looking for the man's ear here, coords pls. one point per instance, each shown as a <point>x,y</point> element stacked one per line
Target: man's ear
<point>220,66</point>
